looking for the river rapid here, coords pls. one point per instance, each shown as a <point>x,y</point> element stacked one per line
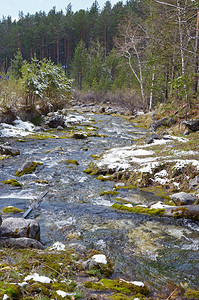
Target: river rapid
<point>155,250</point>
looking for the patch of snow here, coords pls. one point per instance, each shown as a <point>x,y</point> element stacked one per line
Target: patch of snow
<point>22,283</point>
<point>161,174</point>
<point>148,168</point>
<point>99,258</point>
<point>38,278</point>
<point>19,128</point>
<point>184,162</point>
<point>176,184</point>
<point>58,246</point>
<point>5,297</point>
<point>138,283</point>
<point>62,294</point>
<point>185,153</point>
<point>121,158</point>
<point>159,204</point>
<point>179,139</point>
<point>162,181</point>
<point>128,205</point>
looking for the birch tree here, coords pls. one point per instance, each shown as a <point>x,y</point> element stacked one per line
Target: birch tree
<point>131,44</point>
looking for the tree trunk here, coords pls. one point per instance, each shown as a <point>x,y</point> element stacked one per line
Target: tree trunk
<point>196,55</point>
<point>57,47</point>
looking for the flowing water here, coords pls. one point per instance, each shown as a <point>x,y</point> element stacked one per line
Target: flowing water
<point>147,248</point>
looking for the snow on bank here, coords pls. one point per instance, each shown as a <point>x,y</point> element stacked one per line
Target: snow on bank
<point>38,278</point>
<point>122,158</point>
<point>19,128</point>
<point>139,159</point>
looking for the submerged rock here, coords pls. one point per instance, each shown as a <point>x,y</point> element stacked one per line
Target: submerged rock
<point>27,168</point>
<point>20,227</point>
<point>8,150</point>
<point>183,198</point>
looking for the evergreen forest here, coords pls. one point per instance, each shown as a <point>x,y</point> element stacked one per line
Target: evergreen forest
<point>144,49</point>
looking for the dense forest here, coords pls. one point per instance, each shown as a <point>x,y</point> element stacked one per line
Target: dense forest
<point>146,47</point>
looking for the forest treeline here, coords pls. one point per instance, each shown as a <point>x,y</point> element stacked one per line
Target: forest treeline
<point>146,47</point>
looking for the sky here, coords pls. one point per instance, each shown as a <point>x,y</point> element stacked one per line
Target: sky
<point>12,7</point>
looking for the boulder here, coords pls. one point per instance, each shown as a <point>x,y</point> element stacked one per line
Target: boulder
<point>192,125</point>
<point>194,183</point>
<point>8,116</point>
<point>185,211</point>
<point>183,198</point>
<point>55,121</point>
<point>151,138</point>
<point>20,243</point>
<point>167,122</point>
<point>20,227</point>
<point>8,150</point>
<point>27,168</point>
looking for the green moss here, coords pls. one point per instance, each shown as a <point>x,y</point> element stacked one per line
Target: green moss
<point>192,294</point>
<point>11,210</point>
<point>104,178</point>
<point>38,288</point>
<point>92,170</point>
<point>29,169</point>
<point>112,193</point>
<point>118,285</point>
<point>139,210</point>
<point>78,135</point>
<point>128,187</point>
<point>94,156</point>
<point>13,182</point>
<point>12,290</point>
<point>72,161</point>
<point>3,156</point>
<point>41,181</point>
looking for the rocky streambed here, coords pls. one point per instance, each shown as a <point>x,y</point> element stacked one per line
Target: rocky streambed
<point>108,191</point>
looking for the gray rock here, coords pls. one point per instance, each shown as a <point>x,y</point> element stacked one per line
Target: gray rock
<point>192,125</point>
<point>19,227</point>
<point>193,183</point>
<point>8,150</point>
<point>55,121</point>
<point>183,198</point>
<point>167,122</point>
<point>151,138</point>
<point>27,168</point>
<point>20,243</point>
<point>185,211</point>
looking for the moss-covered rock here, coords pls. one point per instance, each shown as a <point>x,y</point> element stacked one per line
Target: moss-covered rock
<point>27,168</point>
<point>118,285</point>
<point>12,182</point>
<point>111,193</point>
<point>11,210</point>
<point>139,209</point>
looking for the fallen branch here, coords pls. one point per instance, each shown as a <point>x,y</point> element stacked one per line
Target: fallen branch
<point>34,204</point>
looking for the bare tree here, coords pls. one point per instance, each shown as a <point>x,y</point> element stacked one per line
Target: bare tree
<point>130,44</point>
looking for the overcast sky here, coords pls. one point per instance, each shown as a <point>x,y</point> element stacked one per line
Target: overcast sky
<point>12,7</point>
